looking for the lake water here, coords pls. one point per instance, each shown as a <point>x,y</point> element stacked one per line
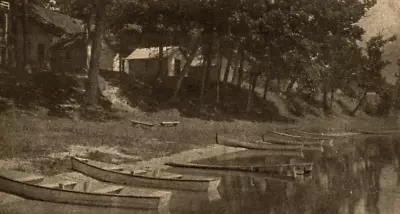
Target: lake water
<point>358,176</point>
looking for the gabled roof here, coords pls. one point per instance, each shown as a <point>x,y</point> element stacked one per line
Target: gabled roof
<point>59,22</point>
<point>151,53</point>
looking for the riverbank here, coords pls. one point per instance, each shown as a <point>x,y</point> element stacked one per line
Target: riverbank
<point>36,142</point>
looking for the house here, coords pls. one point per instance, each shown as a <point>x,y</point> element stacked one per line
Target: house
<point>69,54</point>
<point>144,63</point>
<point>44,28</point>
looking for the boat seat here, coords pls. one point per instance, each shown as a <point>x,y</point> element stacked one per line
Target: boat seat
<point>32,179</point>
<point>109,190</point>
<point>113,168</point>
<point>63,184</point>
<point>170,176</point>
<point>137,172</point>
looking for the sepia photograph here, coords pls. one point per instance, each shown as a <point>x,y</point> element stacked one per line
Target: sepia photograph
<point>199,106</point>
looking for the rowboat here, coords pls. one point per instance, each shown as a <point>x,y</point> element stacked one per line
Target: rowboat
<point>328,135</point>
<point>258,153</point>
<point>262,146</point>
<point>163,180</point>
<point>292,169</point>
<point>276,140</point>
<point>377,132</point>
<point>33,187</point>
<point>298,137</point>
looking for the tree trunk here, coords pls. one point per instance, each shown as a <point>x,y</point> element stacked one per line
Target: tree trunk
<point>236,67</point>
<point>240,71</point>
<point>160,62</point>
<point>25,35</point>
<point>332,98</point>
<point>252,86</point>
<point>278,82</point>
<point>206,68</point>
<point>88,44</point>
<point>93,88</point>
<point>219,67</point>
<point>353,113</point>
<point>186,68</point>
<point>325,98</point>
<point>266,84</point>
<point>228,67</point>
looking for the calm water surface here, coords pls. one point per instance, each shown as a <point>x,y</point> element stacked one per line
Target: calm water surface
<point>357,176</point>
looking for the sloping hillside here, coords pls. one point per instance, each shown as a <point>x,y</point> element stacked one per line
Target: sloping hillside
<point>384,18</point>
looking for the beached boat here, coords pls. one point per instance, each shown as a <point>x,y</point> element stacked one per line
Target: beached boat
<point>377,132</point>
<point>262,145</point>
<point>298,136</point>
<point>334,135</point>
<point>292,169</point>
<point>277,140</point>
<point>163,180</point>
<point>33,187</point>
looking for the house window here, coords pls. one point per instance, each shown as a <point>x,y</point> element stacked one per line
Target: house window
<point>40,52</point>
<point>177,67</point>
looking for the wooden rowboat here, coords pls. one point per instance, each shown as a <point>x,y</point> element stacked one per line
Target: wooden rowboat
<point>292,169</point>
<point>277,140</point>
<point>328,135</point>
<point>298,137</point>
<point>142,178</point>
<point>64,192</point>
<point>262,146</point>
<point>377,132</point>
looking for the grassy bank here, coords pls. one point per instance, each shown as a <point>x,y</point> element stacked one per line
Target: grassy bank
<point>46,142</point>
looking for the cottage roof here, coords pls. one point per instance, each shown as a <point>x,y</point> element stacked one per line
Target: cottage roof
<point>152,52</point>
<point>55,20</point>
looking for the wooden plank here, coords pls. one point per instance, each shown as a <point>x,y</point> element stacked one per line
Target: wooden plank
<point>113,168</point>
<point>60,185</point>
<point>33,179</point>
<point>109,190</point>
<point>135,122</point>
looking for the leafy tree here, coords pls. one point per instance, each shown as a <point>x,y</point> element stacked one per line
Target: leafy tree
<point>370,76</point>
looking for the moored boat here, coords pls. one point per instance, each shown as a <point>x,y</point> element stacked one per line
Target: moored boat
<point>222,140</point>
<point>277,140</point>
<point>334,135</point>
<point>33,187</point>
<point>155,179</point>
<point>288,169</point>
<point>299,137</point>
<point>377,132</point>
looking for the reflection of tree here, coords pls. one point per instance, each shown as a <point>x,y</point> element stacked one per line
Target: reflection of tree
<point>375,159</point>
<point>395,143</point>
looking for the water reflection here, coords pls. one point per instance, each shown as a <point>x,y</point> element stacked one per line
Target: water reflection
<point>358,177</point>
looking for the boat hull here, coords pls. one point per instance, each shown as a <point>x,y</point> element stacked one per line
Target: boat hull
<point>292,169</point>
<point>201,184</point>
<point>258,146</point>
<point>159,200</point>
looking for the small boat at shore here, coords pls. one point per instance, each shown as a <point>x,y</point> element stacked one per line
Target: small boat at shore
<point>377,132</point>
<point>334,135</point>
<point>33,187</point>
<point>277,140</point>
<point>298,136</point>
<point>144,178</point>
<point>262,145</point>
<point>288,169</point>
